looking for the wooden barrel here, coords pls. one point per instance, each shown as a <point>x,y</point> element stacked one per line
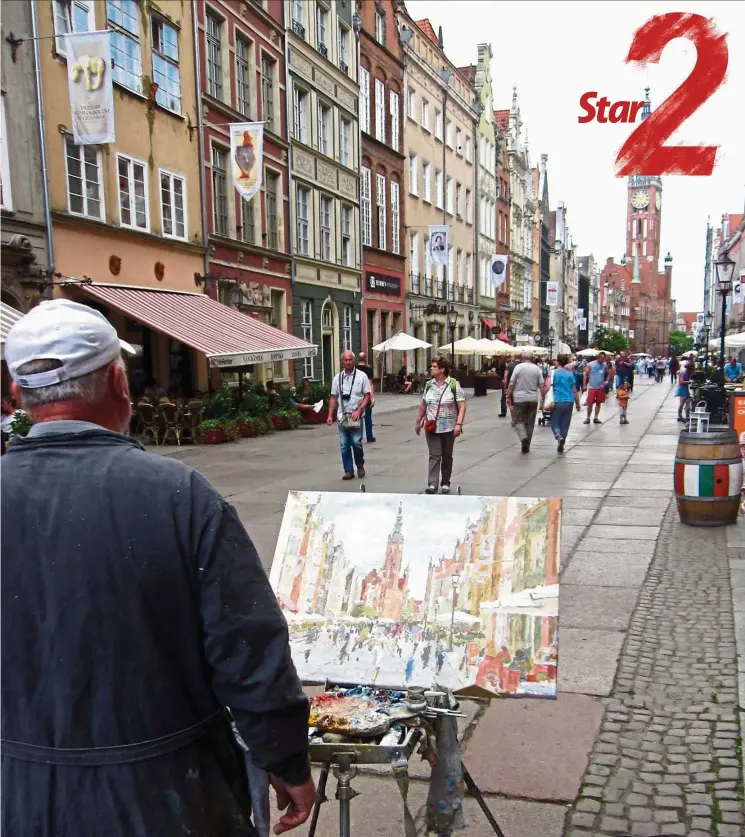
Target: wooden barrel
<point>708,478</point>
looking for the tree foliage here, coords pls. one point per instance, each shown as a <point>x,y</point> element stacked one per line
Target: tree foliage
<point>680,342</point>
<point>610,340</point>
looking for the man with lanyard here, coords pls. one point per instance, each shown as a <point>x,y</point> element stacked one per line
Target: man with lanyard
<point>597,375</point>
<point>732,371</point>
<point>363,367</point>
<point>625,371</point>
<point>350,395</point>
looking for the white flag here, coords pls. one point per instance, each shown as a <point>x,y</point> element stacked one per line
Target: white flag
<point>437,248</point>
<point>579,315</point>
<point>738,292</point>
<point>552,293</point>
<point>246,153</point>
<point>498,270</point>
<point>90,85</point>
<point>583,324</point>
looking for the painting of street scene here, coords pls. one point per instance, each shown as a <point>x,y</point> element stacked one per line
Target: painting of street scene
<point>399,590</point>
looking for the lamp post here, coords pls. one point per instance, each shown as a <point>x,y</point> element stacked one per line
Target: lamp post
<point>452,319</point>
<point>725,271</point>
<point>455,581</point>
<point>707,333</point>
<point>551,339</point>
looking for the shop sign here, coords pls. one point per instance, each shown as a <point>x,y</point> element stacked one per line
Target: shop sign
<point>378,283</point>
<point>252,358</point>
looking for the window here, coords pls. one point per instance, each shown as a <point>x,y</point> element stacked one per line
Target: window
<point>84,180</point>
<point>298,17</point>
<point>394,121</point>
<point>468,206</point>
<point>214,56</point>
<point>411,104</point>
<point>343,49</point>
<point>306,325</point>
<point>133,203</point>
<point>242,76</point>
<point>414,253</point>
<point>459,267</point>
<point>364,100</point>
<point>324,129</point>
<point>438,188</point>
<point>345,150</point>
<point>267,92</point>
<point>426,184</point>
<point>379,110</point>
<point>322,18</point>
<point>124,23</point>
<point>79,13</point>
<point>346,328</point>
<point>459,141</point>
<point>300,114</point>
<point>438,125</point>
<point>379,27</point>
<point>326,229</point>
<point>395,212</point>
<point>346,236</point>
<point>413,186</point>
<point>425,114</point>
<point>6,197</point>
<point>449,195</point>
<point>449,134</point>
<point>302,197</point>
<point>272,221</point>
<point>220,190</point>
<point>172,204</point>
<point>469,271</point>
<point>366,209</point>
<point>248,228</point>
<point>166,65</point>
<point>458,197</point>
<point>382,219</point>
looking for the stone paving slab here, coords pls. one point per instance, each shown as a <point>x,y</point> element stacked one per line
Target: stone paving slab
<point>536,749</point>
<point>600,545</point>
<point>643,493</point>
<point>571,516</point>
<point>605,608</point>
<point>637,516</point>
<point>587,660</point>
<point>657,482</point>
<point>631,533</point>
<point>609,570</point>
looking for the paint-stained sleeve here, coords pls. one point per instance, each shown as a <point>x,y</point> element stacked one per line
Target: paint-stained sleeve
<point>246,643</point>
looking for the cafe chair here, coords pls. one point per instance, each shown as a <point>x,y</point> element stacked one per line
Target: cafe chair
<point>190,419</point>
<point>171,416</point>
<point>148,421</point>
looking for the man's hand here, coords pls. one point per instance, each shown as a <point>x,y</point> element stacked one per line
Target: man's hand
<point>356,415</point>
<point>372,400</point>
<point>297,800</point>
<point>330,419</point>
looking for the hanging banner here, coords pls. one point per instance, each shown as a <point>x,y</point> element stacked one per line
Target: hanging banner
<point>91,87</point>
<point>583,324</point>
<point>246,153</point>
<point>738,291</point>
<point>437,248</point>
<point>579,315</point>
<point>498,270</point>
<point>700,320</point>
<point>552,293</point>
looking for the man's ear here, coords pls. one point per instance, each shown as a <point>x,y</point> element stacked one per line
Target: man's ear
<point>15,391</point>
<point>118,381</point>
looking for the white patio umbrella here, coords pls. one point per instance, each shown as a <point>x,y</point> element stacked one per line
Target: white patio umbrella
<point>564,349</point>
<point>588,353</point>
<point>401,342</point>
<point>494,347</point>
<point>464,346</point>
<point>460,617</point>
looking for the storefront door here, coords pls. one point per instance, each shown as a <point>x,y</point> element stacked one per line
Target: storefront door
<point>328,358</point>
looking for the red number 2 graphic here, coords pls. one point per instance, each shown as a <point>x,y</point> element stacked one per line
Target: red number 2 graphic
<point>643,153</point>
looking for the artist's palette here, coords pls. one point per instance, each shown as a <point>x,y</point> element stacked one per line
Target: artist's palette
<point>348,714</point>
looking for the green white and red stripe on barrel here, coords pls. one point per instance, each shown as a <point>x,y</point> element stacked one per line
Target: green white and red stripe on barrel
<point>708,480</point>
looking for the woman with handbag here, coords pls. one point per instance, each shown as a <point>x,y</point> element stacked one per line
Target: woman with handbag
<point>442,412</point>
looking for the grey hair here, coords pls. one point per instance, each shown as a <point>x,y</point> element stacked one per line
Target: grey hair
<point>91,389</point>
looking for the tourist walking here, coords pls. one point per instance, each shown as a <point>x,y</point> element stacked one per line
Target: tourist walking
<point>362,365</point>
<point>506,404</point>
<point>625,370</point>
<point>650,367</point>
<point>623,396</point>
<point>117,725</point>
<point>350,395</point>
<point>527,388</point>
<point>597,377</point>
<point>683,391</point>
<point>566,396</point>
<point>441,412</point>
<point>674,369</point>
<point>660,369</point>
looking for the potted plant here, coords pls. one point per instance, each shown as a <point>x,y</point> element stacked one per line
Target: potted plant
<point>232,430</point>
<point>212,432</point>
<point>261,425</point>
<point>318,392</point>
<point>245,426</point>
<point>280,420</point>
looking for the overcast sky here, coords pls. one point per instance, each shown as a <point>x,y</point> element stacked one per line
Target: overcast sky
<point>555,52</point>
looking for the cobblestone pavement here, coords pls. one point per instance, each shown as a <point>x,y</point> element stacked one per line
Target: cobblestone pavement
<point>667,760</point>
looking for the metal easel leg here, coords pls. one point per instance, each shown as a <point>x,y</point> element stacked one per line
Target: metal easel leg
<point>476,794</point>
<point>345,772</point>
<point>320,798</point>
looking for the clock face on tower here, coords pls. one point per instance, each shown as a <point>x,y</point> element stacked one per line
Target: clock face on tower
<point>658,201</point>
<point>640,199</point>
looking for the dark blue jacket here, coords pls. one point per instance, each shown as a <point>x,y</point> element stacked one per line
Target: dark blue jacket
<point>134,607</point>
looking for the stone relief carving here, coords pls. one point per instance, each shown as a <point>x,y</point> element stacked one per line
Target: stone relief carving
<point>324,82</point>
<point>326,175</point>
<point>329,276</point>
<point>347,99</point>
<point>302,64</point>
<point>348,185</point>
<point>302,162</point>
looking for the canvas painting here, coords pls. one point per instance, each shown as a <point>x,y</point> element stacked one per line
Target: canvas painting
<point>401,590</point>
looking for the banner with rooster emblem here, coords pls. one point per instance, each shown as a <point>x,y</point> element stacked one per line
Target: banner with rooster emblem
<point>246,150</point>
<point>91,90</point>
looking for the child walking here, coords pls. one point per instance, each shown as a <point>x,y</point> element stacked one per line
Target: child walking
<point>623,396</point>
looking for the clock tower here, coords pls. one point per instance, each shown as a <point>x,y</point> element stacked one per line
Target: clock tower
<point>644,212</point>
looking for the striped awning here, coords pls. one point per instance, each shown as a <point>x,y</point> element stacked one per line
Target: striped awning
<point>8,317</point>
<point>227,337</point>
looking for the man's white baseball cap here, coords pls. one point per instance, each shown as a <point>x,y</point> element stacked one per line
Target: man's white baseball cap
<point>78,336</point>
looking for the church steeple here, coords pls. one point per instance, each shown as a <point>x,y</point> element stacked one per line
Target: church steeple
<point>398,527</point>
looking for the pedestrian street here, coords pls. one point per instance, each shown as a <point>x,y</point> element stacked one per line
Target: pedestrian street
<point>643,738</point>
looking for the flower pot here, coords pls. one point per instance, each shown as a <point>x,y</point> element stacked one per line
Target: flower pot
<point>214,437</point>
<point>309,417</point>
<point>280,422</point>
<point>247,430</point>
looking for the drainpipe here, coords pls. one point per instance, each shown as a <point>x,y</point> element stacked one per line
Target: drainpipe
<point>200,142</point>
<point>43,147</point>
<point>289,230</point>
<point>357,26</point>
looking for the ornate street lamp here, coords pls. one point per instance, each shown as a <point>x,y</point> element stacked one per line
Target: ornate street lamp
<point>452,320</point>
<point>725,268</point>
<point>455,581</point>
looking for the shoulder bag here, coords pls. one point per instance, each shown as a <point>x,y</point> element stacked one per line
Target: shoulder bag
<point>430,425</point>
